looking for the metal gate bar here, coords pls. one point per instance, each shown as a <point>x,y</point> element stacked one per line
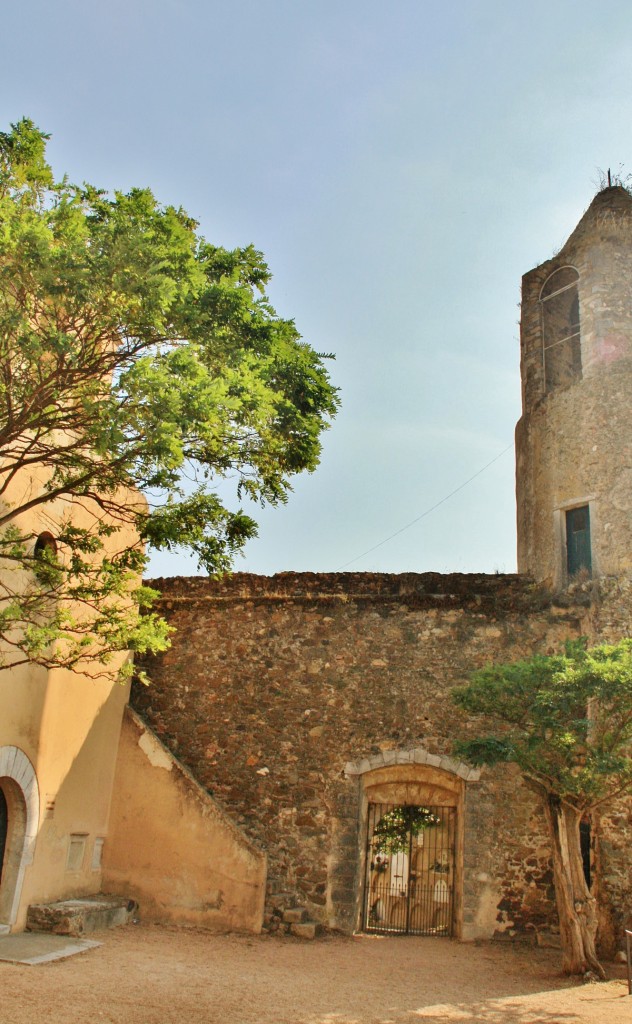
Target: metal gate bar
<point>410,859</point>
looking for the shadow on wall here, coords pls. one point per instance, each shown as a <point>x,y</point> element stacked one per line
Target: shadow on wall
<point>172,848</point>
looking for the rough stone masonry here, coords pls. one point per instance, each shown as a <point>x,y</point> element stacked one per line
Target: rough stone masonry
<point>273,685</point>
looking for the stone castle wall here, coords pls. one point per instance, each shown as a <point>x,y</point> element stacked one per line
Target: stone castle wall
<point>273,685</point>
<point>276,689</point>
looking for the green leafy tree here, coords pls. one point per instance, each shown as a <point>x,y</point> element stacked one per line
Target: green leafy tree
<point>134,356</point>
<point>566,721</point>
<point>397,827</point>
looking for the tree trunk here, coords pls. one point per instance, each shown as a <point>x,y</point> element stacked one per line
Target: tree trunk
<point>577,909</point>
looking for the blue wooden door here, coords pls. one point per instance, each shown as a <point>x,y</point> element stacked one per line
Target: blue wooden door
<point>578,540</point>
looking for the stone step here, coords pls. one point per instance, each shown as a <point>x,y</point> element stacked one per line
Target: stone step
<point>80,916</point>
<point>295,915</point>
<point>293,921</point>
<point>306,929</point>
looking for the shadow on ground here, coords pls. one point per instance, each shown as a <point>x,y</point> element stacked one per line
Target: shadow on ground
<point>151,975</point>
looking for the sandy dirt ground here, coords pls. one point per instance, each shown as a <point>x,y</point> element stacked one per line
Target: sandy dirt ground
<point>151,975</point>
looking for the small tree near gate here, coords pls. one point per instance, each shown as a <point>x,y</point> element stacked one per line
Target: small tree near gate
<point>566,721</point>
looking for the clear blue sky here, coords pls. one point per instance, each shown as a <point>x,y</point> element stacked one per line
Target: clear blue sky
<point>400,165</point>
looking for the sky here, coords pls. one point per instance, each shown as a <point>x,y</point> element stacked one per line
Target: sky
<point>401,166</point>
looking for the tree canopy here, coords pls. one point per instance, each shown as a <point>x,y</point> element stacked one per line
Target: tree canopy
<point>134,356</point>
<point>566,721</point>
<point>396,827</point>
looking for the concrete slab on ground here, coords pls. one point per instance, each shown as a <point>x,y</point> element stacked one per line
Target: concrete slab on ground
<point>40,947</point>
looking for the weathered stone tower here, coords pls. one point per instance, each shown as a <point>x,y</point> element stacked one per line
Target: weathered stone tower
<point>574,439</point>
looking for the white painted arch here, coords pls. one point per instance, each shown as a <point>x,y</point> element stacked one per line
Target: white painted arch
<point>15,765</point>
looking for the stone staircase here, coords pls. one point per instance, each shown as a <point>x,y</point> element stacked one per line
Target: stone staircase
<point>294,921</point>
<point>80,916</point>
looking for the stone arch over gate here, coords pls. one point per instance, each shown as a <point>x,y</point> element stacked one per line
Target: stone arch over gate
<point>411,777</point>
<point>19,786</point>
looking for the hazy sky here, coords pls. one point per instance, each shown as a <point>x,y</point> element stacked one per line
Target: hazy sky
<point>401,166</point>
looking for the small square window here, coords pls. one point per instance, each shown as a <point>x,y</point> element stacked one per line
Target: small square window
<point>76,852</point>
<point>97,854</point>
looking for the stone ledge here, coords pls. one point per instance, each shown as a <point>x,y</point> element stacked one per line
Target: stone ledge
<point>306,930</point>
<point>295,915</point>
<point>80,916</point>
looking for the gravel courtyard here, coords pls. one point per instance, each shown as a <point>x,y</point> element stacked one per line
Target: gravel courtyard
<point>152,975</point>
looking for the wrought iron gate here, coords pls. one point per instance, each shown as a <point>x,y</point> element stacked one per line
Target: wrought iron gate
<point>410,858</point>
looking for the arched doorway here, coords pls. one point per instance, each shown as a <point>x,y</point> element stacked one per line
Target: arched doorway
<point>410,877</point>
<point>20,803</point>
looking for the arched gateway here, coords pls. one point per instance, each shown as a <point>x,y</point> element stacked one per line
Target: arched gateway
<point>20,803</point>
<point>411,833</point>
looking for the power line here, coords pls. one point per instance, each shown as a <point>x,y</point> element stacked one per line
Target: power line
<point>428,510</point>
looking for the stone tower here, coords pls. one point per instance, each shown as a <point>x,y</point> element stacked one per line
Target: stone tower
<point>574,439</point>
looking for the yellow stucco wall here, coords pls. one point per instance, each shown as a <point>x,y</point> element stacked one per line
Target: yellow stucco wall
<point>67,727</point>
<point>58,745</point>
<point>172,848</point>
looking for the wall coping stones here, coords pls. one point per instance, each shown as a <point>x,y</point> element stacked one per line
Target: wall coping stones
<point>419,755</point>
<point>486,593</point>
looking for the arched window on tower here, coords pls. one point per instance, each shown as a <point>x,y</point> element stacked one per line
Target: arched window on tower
<point>559,300</point>
<point>45,565</point>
